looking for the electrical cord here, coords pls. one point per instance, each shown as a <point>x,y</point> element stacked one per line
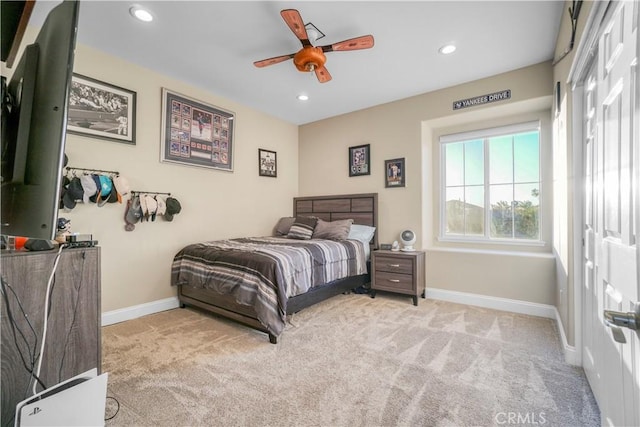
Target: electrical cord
<point>117,408</point>
<point>46,316</point>
<point>29,367</point>
<point>16,330</point>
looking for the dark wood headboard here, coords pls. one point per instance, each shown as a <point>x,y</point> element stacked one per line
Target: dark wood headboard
<point>362,208</point>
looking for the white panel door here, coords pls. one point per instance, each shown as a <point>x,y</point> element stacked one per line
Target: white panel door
<point>612,353</point>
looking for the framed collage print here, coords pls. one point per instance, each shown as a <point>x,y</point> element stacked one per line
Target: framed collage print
<point>195,133</point>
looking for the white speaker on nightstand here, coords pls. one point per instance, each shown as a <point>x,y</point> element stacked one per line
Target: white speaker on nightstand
<point>408,239</point>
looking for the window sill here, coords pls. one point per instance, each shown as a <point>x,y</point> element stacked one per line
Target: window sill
<point>498,242</point>
<point>487,251</point>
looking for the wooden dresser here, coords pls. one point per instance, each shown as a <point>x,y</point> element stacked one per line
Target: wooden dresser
<point>399,272</point>
<point>73,333</point>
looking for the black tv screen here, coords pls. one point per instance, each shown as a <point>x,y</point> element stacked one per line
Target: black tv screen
<point>34,117</point>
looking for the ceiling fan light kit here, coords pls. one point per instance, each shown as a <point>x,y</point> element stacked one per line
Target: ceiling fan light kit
<point>309,58</point>
<point>312,58</point>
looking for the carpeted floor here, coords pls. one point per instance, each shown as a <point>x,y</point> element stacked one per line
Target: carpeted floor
<point>349,361</point>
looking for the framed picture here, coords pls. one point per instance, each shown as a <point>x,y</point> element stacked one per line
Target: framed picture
<point>394,173</point>
<point>359,160</point>
<point>267,163</point>
<point>195,133</point>
<point>101,110</point>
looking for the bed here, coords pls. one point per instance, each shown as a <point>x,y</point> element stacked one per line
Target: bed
<point>248,284</point>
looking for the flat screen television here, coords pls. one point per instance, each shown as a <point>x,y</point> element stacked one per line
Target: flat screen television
<point>34,120</point>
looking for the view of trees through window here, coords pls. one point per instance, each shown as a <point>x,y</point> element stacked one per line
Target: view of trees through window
<point>492,187</point>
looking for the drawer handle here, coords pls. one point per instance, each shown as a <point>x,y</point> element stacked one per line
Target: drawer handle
<point>394,280</point>
<point>394,265</point>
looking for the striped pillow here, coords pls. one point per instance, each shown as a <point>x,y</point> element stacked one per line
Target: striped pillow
<point>302,228</point>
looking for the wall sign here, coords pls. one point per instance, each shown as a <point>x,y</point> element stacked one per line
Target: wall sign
<point>483,99</point>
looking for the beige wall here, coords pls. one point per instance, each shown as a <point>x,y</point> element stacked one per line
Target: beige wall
<point>408,128</point>
<point>312,160</point>
<point>215,204</point>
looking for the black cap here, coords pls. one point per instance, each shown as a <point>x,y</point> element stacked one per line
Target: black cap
<point>74,192</point>
<point>173,207</point>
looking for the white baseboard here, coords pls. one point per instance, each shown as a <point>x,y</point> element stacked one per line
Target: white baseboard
<point>496,303</point>
<point>571,356</point>
<point>133,312</point>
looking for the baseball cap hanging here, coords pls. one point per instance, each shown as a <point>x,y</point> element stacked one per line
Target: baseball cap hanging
<point>133,213</point>
<point>152,207</point>
<point>122,187</point>
<point>162,206</point>
<point>173,207</point>
<point>89,187</point>
<point>74,192</point>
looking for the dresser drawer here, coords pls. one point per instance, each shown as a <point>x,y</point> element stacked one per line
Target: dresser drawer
<point>393,264</point>
<point>394,281</point>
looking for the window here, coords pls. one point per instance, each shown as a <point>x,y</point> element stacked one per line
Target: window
<point>491,184</point>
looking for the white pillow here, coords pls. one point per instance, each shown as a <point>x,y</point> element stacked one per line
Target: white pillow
<point>364,233</point>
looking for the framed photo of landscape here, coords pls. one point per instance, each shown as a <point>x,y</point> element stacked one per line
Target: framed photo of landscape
<point>359,160</point>
<point>267,163</point>
<point>101,110</point>
<point>394,173</point>
<point>195,133</point>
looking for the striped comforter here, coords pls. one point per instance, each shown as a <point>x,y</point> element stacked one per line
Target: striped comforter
<point>264,272</point>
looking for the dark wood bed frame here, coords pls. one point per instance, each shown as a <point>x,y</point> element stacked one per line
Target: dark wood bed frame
<point>362,208</point>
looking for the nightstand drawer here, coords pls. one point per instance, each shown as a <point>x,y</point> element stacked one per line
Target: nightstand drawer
<point>393,264</point>
<point>394,281</point>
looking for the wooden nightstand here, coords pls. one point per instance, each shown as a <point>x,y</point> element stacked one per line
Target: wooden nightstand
<point>399,272</point>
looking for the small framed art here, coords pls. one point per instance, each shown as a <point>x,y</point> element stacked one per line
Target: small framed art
<point>394,173</point>
<point>359,160</point>
<point>101,110</point>
<point>267,163</point>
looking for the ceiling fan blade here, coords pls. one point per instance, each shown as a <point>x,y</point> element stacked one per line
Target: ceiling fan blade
<point>322,74</point>
<point>294,21</point>
<point>274,60</point>
<point>362,42</point>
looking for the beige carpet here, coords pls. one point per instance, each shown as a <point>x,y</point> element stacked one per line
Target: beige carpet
<point>349,361</point>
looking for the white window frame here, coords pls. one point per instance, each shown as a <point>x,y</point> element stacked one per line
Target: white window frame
<point>484,134</point>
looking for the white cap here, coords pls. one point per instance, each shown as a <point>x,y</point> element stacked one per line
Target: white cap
<point>143,206</point>
<point>162,206</point>
<point>122,186</point>
<point>152,206</point>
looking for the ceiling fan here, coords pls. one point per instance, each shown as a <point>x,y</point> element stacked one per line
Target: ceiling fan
<point>312,58</point>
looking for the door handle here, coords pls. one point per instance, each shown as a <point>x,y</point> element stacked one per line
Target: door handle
<point>616,320</point>
<point>629,320</point>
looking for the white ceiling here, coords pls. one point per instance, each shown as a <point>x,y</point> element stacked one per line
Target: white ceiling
<point>213,44</point>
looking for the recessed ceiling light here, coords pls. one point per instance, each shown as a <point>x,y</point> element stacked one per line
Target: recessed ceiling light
<point>302,97</point>
<point>447,49</point>
<point>140,13</point>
